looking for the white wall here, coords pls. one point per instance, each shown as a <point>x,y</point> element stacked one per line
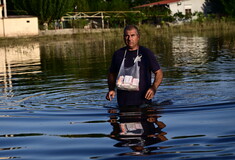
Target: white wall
<point>1,7</point>
<point>18,26</point>
<point>194,5</point>
<point>1,28</point>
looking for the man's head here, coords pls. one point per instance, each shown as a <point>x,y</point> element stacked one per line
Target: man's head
<point>131,37</point>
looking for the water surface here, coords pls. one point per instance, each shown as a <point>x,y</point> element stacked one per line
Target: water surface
<point>52,101</point>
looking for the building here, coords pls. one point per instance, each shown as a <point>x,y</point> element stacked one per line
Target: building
<point>183,6</point>
<point>15,26</point>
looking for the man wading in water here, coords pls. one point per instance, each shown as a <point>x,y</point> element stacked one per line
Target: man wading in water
<point>130,72</point>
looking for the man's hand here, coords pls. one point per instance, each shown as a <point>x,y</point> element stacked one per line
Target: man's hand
<point>157,81</point>
<point>110,95</point>
<point>150,93</point>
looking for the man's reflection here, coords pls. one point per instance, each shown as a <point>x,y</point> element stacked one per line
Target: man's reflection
<point>137,128</point>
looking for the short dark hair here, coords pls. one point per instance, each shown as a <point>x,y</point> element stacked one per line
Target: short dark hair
<point>130,27</point>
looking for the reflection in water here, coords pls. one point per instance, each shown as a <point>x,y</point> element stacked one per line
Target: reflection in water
<point>61,113</point>
<point>85,59</point>
<point>189,50</point>
<point>17,60</point>
<point>137,128</point>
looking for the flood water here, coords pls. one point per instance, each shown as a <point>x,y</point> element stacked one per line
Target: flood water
<point>53,107</point>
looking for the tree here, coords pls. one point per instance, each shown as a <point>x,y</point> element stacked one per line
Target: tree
<point>97,5</point>
<point>118,5</point>
<point>45,10</point>
<point>229,7</point>
<point>81,6</point>
<point>213,7</point>
<point>221,7</point>
<point>134,3</point>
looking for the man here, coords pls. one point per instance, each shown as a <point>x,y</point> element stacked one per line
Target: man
<point>147,64</point>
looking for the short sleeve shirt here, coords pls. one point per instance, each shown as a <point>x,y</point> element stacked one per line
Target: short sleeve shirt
<point>147,65</point>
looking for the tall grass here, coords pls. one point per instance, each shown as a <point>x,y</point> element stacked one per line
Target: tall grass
<point>215,26</point>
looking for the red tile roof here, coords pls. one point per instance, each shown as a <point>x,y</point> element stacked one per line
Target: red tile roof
<point>157,3</point>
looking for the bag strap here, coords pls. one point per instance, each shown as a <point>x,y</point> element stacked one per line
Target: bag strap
<point>137,54</point>
<point>125,54</point>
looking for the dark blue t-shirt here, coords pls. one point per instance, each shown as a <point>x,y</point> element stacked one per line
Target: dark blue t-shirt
<point>147,65</point>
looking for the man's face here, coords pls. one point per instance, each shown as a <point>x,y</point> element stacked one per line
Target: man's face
<point>131,39</point>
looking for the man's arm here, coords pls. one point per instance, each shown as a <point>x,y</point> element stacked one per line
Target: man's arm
<point>157,81</point>
<point>111,84</point>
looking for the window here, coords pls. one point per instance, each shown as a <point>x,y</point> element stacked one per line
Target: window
<point>188,11</point>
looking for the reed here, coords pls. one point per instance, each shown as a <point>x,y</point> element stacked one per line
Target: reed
<point>195,27</point>
<point>215,26</point>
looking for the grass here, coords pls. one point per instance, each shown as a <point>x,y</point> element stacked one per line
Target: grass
<point>212,26</point>
<point>195,27</point>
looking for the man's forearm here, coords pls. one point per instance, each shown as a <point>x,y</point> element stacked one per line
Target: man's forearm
<point>157,79</point>
<point>112,81</point>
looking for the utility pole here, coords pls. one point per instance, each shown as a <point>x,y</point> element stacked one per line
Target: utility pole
<point>0,9</point>
<point>5,8</point>
<point>102,19</point>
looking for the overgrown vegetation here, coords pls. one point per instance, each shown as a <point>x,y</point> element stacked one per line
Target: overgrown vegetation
<point>45,10</point>
<point>49,11</point>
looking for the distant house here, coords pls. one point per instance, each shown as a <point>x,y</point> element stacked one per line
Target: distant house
<point>183,6</point>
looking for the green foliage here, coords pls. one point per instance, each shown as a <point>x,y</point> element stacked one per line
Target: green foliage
<point>221,7</point>
<point>96,5</point>
<point>214,6</point>
<point>79,23</point>
<point>129,18</point>
<point>115,22</point>
<point>134,18</point>
<point>156,11</point>
<point>101,5</point>
<point>140,2</point>
<point>45,10</point>
<point>200,17</point>
<point>49,10</point>
<point>117,5</point>
<point>229,6</point>
<point>81,6</point>
<point>179,15</point>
